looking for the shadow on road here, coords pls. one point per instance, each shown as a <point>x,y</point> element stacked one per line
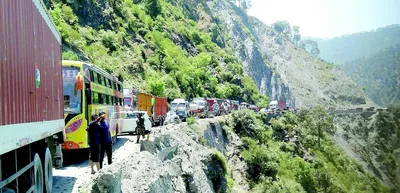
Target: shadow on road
<point>120,142</point>
<point>78,157</point>
<point>62,187</point>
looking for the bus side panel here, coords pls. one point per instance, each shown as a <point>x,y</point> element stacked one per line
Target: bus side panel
<point>28,49</point>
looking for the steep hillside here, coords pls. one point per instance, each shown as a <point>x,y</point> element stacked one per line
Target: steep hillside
<point>279,68</point>
<point>295,153</point>
<point>190,48</point>
<point>373,139</point>
<point>379,74</point>
<point>153,46</point>
<point>346,48</point>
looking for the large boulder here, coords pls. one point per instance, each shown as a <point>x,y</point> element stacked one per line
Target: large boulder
<point>108,180</point>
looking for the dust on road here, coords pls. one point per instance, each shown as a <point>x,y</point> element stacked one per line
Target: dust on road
<point>70,178</point>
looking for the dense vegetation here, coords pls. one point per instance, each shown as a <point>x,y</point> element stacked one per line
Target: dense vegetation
<point>346,48</point>
<point>151,45</point>
<point>286,155</point>
<point>374,138</point>
<point>379,74</point>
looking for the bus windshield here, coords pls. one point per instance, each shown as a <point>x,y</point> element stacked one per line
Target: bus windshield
<point>72,96</point>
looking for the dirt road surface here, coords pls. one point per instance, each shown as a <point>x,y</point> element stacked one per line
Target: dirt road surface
<point>71,177</point>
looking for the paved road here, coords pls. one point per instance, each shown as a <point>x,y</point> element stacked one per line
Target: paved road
<point>71,177</point>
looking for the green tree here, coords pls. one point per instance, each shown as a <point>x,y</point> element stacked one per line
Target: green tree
<point>283,27</point>
<point>323,122</point>
<point>153,8</point>
<point>157,86</point>
<point>296,34</point>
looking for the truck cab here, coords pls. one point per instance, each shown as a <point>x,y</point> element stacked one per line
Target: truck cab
<point>181,107</point>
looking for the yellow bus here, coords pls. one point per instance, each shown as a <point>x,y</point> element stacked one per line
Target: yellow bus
<point>88,90</point>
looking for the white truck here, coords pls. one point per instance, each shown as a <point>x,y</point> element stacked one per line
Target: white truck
<point>181,108</point>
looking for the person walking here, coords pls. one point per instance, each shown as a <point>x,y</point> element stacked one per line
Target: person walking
<point>105,140</point>
<point>140,127</point>
<point>94,143</point>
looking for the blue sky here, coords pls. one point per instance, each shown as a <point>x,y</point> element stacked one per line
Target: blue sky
<point>329,18</point>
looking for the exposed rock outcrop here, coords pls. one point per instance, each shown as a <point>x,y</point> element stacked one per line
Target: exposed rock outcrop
<point>174,160</point>
<point>279,68</point>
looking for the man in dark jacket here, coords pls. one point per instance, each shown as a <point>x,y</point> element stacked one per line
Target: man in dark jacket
<point>94,142</point>
<point>140,127</point>
<point>105,140</point>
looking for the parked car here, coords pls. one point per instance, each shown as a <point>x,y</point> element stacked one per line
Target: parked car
<point>129,121</point>
<point>172,117</point>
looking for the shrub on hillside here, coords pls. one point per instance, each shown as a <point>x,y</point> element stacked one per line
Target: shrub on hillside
<point>260,161</point>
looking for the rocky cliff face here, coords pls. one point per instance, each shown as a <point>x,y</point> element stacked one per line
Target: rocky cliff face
<point>279,68</point>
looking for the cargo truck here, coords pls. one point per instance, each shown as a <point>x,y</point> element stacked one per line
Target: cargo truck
<point>160,110</point>
<point>31,97</point>
<point>142,102</point>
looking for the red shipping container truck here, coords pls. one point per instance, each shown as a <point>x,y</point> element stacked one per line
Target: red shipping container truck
<point>31,96</point>
<point>282,105</point>
<point>160,110</point>
<point>213,106</point>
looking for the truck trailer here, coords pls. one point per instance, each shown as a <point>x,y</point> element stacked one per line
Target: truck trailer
<point>160,110</point>
<point>143,103</point>
<point>31,97</point>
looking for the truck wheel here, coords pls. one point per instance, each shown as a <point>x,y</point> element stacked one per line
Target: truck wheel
<point>38,174</point>
<point>48,171</point>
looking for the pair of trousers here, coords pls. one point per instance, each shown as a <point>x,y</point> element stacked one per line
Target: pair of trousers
<point>106,148</point>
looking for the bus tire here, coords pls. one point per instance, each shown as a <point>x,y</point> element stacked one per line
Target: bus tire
<point>48,171</point>
<point>38,174</point>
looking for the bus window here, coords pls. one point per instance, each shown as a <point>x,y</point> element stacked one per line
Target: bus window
<point>99,79</point>
<point>108,100</point>
<point>104,81</point>
<point>100,98</point>
<point>104,99</point>
<point>95,77</point>
<point>120,101</point>
<point>95,97</point>
<point>109,83</point>
<point>91,75</point>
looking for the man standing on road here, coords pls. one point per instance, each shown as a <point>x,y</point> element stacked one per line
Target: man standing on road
<point>140,127</point>
<point>94,142</point>
<point>105,140</point>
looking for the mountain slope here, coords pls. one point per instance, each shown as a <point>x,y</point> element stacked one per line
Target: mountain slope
<point>346,48</point>
<point>372,139</point>
<point>191,48</point>
<point>151,45</point>
<point>379,74</point>
<point>279,68</point>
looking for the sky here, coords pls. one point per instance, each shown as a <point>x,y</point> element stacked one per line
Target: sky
<point>328,18</point>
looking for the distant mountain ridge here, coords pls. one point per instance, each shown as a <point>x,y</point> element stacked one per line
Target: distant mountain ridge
<point>340,50</point>
<point>379,74</point>
<point>371,59</point>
